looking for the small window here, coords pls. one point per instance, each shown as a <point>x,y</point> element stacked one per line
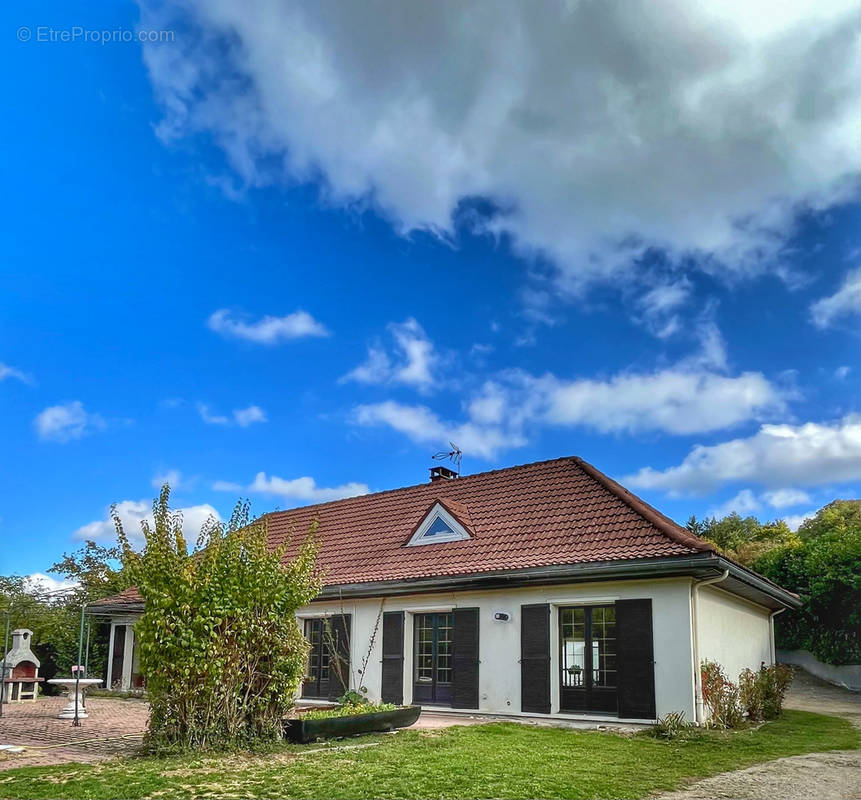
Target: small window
<point>439,525</point>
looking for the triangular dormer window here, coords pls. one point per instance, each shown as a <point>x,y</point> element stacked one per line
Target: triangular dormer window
<point>439,525</point>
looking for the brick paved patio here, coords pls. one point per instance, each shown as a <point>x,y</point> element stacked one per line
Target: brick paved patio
<point>114,727</point>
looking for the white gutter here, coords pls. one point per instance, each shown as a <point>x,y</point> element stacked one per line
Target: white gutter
<point>771,617</point>
<point>695,644</point>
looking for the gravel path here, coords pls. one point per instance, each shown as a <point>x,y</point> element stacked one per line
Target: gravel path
<point>816,776</point>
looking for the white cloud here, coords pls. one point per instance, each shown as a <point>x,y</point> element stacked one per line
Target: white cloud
<point>841,373</point>
<point>413,363</point>
<point>248,416</point>
<point>267,330</point>
<point>777,455</point>
<point>172,477</point>
<point>11,372</point>
<point>65,422</point>
<point>787,498</point>
<point>243,417</point>
<point>422,425</point>
<point>131,512</point>
<point>209,418</point>
<point>304,488</point>
<point>39,582</point>
<point>744,503</point>
<point>658,307</point>
<point>689,397</point>
<point>599,130</point>
<point>846,300</point>
<point>793,521</point>
<point>226,486</point>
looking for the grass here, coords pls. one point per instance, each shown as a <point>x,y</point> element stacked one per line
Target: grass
<point>502,760</point>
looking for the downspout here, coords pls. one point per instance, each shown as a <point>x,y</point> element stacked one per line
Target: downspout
<point>771,617</point>
<point>695,644</point>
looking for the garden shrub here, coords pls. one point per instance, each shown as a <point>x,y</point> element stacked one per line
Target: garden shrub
<point>721,697</point>
<point>758,695</point>
<point>750,692</point>
<point>220,648</point>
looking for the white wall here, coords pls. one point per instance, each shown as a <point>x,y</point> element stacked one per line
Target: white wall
<point>499,642</point>
<point>733,632</point>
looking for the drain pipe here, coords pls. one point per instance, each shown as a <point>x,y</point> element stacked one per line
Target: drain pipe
<point>695,644</point>
<point>773,648</point>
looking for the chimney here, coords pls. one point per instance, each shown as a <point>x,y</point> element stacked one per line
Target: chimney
<point>442,474</point>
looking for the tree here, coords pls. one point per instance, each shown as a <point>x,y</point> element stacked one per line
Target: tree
<point>744,539</point>
<point>220,648</point>
<point>839,516</point>
<point>96,570</point>
<point>824,567</point>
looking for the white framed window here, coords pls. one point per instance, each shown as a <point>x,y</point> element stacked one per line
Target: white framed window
<point>438,526</point>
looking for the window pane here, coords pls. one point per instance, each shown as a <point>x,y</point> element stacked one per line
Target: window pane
<point>604,646</point>
<point>572,651</point>
<point>424,648</point>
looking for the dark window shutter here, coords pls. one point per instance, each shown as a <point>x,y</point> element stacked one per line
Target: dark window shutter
<point>535,658</point>
<point>465,658</point>
<point>339,662</point>
<point>635,659</point>
<point>392,690</point>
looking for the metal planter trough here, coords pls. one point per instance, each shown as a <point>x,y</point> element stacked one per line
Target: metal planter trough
<point>303,731</point>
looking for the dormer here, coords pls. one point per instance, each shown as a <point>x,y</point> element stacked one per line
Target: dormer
<point>439,525</point>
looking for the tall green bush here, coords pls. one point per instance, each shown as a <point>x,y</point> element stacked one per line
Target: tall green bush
<point>220,647</point>
<point>825,569</point>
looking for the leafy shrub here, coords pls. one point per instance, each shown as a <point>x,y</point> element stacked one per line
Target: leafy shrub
<point>775,681</point>
<point>825,569</point>
<point>347,710</point>
<point>721,697</point>
<point>671,726</point>
<point>220,648</point>
<point>750,692</point>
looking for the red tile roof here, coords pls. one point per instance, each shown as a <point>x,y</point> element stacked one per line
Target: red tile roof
<point>549,513</point>
<point>544,514</point>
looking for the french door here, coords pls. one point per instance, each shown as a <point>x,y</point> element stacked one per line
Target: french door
<point>316,683</point>
<point>432,662</point>
<point>587,656</point>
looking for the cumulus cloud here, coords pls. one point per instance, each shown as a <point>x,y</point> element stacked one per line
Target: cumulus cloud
<point>413,362</point>
<point>226,486</point>
<point>846,300</point>
<point>243,417</point>
<point>7,372</point>
<point>596,130</point>
<point>65,422</point>
<point>304,488</point>
<point>683,399</point>
<point>747,502</point>
<point>39,582</point>
<point>132,512</point>
<point>811,454</point>
<point>172,477</point>
<point>266,330</point>
<point>422,425</point>
<point>248,416</point>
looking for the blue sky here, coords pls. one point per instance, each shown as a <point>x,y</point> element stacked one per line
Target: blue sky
<point>272,258</point>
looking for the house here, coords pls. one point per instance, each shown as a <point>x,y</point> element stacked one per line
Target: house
<point>542,589</point>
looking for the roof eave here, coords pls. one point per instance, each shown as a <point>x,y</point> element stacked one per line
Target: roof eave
<point>698,565</point>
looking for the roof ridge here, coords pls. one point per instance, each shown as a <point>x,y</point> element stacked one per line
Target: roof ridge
<point>460,479</point>
<point>663,523</point>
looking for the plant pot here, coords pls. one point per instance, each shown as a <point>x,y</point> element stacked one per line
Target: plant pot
<point>307,730</point>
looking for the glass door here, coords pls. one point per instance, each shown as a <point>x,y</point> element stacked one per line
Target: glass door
<point>587,656</point>
<point>316,683</point>
<point>432,658</point>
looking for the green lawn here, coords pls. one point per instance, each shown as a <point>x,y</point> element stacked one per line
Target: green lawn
<point>497,760</point>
